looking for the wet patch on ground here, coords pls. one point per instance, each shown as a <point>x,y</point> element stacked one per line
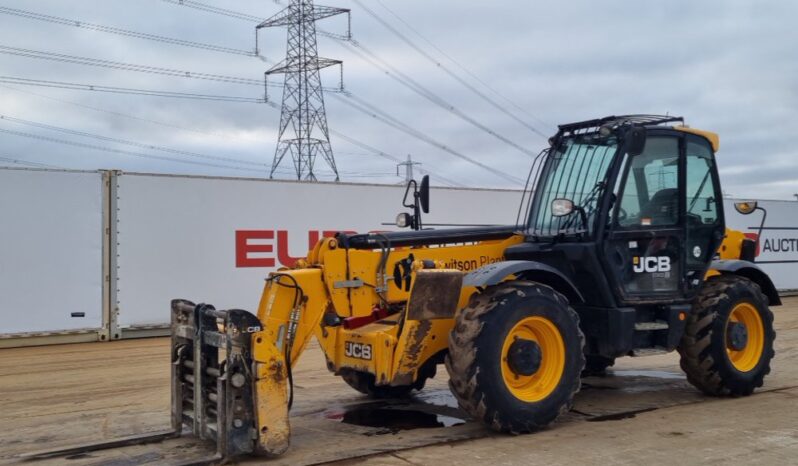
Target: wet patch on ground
<point>620,416</point>
<point>393,416</point>
<point>647,373</point>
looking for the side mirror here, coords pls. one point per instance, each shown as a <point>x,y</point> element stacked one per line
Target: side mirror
<point>562,207</point>
<point>636,141</point>
<point>423,194</point>
<point>420,204</point>
<point>745,208</point>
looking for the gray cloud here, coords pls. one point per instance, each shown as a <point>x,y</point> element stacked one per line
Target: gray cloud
<point>728,66</point>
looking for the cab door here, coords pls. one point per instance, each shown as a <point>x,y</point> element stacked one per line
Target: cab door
<point>644,247</point>
<point>704,221</point>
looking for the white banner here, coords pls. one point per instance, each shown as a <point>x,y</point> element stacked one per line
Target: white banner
<point>51,241</point>
<point>777,254</point>
<point>215,240</point>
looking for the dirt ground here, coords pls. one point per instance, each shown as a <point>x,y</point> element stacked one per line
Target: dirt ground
<point>643,412</point>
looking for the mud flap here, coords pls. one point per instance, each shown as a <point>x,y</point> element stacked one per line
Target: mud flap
<point>435,294</point>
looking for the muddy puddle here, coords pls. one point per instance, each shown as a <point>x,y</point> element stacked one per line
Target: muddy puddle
<point>646,373</point>
<point>390,417</point>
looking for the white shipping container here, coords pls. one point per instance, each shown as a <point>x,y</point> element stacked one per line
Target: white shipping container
<point>51,251</point>
<point>215,240</point>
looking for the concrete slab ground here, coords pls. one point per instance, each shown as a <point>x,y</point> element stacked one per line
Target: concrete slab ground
<point>643,412</point>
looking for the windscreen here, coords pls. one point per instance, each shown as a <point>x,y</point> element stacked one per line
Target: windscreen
<point>575,171</point>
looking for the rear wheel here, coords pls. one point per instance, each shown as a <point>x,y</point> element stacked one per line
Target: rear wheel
<point>515,356</point>
<point>728,342</point>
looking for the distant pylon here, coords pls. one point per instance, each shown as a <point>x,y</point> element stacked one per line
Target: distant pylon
<point>303,112</point>
<point>409,164</point>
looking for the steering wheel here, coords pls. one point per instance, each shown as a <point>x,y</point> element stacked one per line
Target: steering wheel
<point>622,215</point>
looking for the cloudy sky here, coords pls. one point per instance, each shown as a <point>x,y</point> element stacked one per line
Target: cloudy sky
<point>511,70</point>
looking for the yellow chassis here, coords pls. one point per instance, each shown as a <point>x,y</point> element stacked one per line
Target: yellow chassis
<point>330,279</point>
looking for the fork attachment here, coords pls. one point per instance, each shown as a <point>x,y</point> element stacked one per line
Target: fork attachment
<point>212,376</point>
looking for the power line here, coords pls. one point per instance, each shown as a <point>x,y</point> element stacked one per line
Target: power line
<point>86,61</point>
<point>128,143</point>
<point>380,115</point>
<point>419,89</point>
<point>115,113</point>
<point>387,156</point>
<point>385,118</point>
<point>128,66</point>
<point>462,67</point>
<point>87,87</point>
<point>125,90</point>
<point>27,163</point>
<point>122,151</point>
<point>216,10</point>
<point>122,32</point>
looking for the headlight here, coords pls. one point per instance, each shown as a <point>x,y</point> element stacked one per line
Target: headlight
<point>404,220</point>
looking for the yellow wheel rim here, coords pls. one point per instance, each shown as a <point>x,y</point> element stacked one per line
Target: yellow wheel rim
<point>747,358</point>
<point>535,387</point>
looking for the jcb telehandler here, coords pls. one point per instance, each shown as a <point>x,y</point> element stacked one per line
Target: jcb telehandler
<point>620,249</point>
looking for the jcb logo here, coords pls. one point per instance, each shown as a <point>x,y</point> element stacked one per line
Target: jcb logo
<point>652,264</point>
<point>357,350</point>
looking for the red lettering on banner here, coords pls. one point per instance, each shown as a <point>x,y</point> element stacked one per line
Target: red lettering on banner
<point>282,250</point>
<point>244,248</point>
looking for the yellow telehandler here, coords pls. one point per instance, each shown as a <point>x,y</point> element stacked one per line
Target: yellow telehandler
<point>620,249</point>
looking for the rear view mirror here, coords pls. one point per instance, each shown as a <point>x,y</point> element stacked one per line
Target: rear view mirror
<point>562,207</point>
<point>420,204</point>
<point>423,194</point>
<point>745,208</point>
<point>636,141</point>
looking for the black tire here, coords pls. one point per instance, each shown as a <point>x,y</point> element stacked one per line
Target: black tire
<point>364,382</point>
<point>475,356</point>
<point>596,365</point>
<point>704,357</point>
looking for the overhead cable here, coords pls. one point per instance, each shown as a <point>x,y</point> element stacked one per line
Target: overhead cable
<point>122,32</point>
<point>125,90</point>
<point>128,143</point>
<point>471,74</point>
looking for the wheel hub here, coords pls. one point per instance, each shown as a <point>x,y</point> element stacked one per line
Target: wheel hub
<point>736,336</point>
<point>524,357</point>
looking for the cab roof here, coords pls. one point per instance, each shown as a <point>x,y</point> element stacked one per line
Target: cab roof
<point>616,121</point>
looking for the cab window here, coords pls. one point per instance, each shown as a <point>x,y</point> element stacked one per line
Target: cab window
<point>650,195</point>
<point>702,202</point>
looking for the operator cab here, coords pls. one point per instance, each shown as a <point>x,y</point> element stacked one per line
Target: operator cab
<point>628,207</point>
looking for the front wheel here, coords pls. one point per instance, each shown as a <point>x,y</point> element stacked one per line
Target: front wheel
<point>515,356</point>
<point>728,340</point>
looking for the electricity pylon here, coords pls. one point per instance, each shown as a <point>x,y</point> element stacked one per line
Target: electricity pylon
<point>303,119</point>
